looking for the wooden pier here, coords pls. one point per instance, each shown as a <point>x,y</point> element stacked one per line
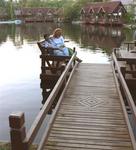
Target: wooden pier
<point>89,115</point>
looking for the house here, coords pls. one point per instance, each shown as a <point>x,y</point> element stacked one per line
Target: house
<point>39,14</point>
<point>103,13</point>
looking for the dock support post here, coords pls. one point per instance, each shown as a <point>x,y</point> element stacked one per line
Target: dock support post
<point>123,70</point>
<point>74,49</point>
<point>17,131</point>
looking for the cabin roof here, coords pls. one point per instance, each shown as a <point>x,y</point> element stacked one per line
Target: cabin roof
<point>107,7</point>
<point>33,11</point>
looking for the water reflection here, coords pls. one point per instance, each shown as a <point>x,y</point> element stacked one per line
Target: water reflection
<point>87,36</point>
<point>26,32</point>
<point>20,63</point>
<point>103,37</point>
<point>46,86</point>
<point>134,35</point>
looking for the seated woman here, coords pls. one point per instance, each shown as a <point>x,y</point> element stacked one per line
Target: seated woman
<point>56,40</point>
<point>54,48</point>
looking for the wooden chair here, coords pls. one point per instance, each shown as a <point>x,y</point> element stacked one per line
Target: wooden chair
<point>51,64</point>
<point>51,69</point>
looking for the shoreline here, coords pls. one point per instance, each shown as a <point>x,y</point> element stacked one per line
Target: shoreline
<point>7,146</point>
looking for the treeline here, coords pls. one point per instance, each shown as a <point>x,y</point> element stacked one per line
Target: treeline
<point>71,7</point>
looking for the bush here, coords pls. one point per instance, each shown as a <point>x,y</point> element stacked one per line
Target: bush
<point>128,18</point>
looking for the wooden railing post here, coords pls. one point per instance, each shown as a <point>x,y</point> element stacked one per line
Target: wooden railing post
<point>135,42</point>
<point>17,131</point>
<point>43,65</point>
<point>74,49</point>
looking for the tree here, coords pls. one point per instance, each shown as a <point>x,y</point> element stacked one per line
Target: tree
<point>2,3</point>
<point>22,3</point>
<point>71,7</point>
<point>72,12</point>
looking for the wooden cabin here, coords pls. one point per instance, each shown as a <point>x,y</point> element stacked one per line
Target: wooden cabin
<point>103,13</point>
<point>41,14</point>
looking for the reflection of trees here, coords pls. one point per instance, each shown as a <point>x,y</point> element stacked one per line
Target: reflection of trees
<point>73,32</point>
<point>101,36</point>
<point>3,33</point>
<point>28,32</point>
<point>46,86</point>
<point>33,32</point>
<point>93,37</point>
<point>85,35</point>
<point>6,31</point>
<point>129,34</point>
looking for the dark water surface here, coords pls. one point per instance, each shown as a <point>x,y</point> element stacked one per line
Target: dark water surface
<point>20,62</point>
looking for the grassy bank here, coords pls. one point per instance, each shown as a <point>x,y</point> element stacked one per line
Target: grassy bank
<point>6,146</point>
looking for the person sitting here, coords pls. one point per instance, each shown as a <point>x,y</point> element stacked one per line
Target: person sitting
<point>47,44</point>
<point>56,40</point>
<point>54,49</point>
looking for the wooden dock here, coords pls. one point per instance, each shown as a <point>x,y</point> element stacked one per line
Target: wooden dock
<point>90,112</point>
<point>91,115</point>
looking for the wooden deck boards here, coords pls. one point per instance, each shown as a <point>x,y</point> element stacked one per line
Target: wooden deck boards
<point>90,116</point>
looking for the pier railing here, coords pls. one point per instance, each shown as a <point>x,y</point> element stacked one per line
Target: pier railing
<point>20,140</point>
<point>127,97</point>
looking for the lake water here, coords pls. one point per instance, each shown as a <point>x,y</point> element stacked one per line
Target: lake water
<point>20,62</point>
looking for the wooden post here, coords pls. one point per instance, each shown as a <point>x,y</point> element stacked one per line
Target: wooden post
<point>135,42</point>
<point>43,65</point>
<point>74,49</point>
<point>123,70</point>
<point>17,131</point>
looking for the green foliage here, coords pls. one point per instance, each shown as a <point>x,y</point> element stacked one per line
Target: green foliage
<point>72,12</point>
<point>9,6</point>
<point>7,146</point>
<point>33,3</point>
<point>128,18</point>
<point>2,3</point>
<point>71,7</point>
<point>56,3</point>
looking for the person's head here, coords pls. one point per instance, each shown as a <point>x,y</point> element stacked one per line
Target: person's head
<point>46,37</point>
<point>57,32</point>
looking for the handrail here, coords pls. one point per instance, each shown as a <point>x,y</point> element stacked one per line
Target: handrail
<point>34,128</point>
<point>30,136</point>
<point>115,64</point>
<point>125,87</point>
<point>45,135</point>
<point>130,43</point>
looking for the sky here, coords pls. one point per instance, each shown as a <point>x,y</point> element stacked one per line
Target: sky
<point>124,1</point>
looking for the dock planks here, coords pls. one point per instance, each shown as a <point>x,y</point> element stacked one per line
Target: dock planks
<point>90,116</point>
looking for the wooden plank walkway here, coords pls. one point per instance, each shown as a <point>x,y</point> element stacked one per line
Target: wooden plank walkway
<point>90,116</point>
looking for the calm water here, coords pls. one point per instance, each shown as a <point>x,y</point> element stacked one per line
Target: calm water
<point>20,62</point>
